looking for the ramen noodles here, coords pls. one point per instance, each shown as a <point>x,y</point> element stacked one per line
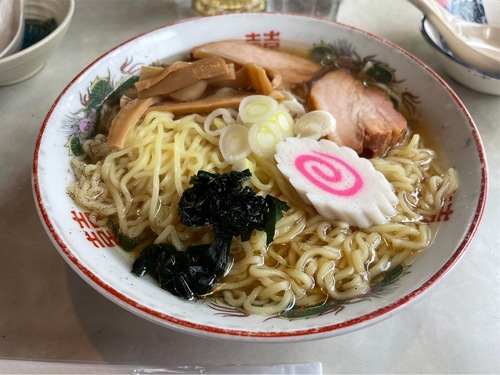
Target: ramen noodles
<point>310,260</point>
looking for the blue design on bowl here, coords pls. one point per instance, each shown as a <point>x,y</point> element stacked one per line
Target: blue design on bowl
<point>468,10</point>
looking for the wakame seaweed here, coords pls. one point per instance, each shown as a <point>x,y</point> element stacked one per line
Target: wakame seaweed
<point>231,209</point>
<point>126,243</point>
<point>188,274</point>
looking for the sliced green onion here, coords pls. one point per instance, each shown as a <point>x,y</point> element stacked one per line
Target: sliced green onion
<point>263,138</point>
<point>315,124</point>
<point>256,108</point>
<point>283,121</point>
<point>294,107</point>
<point>233,143</point>
<point>213,125</point>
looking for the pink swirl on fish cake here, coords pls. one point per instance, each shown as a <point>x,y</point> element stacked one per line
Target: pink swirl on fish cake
<point>329,173</point>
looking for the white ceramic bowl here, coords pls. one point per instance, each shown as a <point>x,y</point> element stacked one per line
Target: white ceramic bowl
<point>92,253</point>
<point>457,69</point>
<point>27,62</point>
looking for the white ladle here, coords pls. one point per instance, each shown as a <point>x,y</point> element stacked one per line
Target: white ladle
<point>476,44</point>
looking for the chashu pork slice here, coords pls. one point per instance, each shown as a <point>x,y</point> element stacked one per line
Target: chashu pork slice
<point>293,69</point>
<point>366,118</point>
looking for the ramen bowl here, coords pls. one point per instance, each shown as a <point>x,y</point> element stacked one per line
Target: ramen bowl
<point>93,253</point>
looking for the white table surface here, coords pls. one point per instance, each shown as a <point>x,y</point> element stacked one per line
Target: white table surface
<point>47,313</point>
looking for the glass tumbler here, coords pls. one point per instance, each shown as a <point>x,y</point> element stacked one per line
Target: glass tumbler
<point>209,7</point>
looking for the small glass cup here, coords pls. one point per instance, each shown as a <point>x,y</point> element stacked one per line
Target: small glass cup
<point>210,7</point>
<point>318,8</point>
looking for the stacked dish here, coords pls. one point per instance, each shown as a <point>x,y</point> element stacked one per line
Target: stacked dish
<point>47,21</point>
<point>11,27</point>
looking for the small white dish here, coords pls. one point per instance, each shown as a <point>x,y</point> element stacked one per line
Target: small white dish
<point>475,43</point>
<point>29,61</point>
<point>457,69</point>
<point>11,26</point>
